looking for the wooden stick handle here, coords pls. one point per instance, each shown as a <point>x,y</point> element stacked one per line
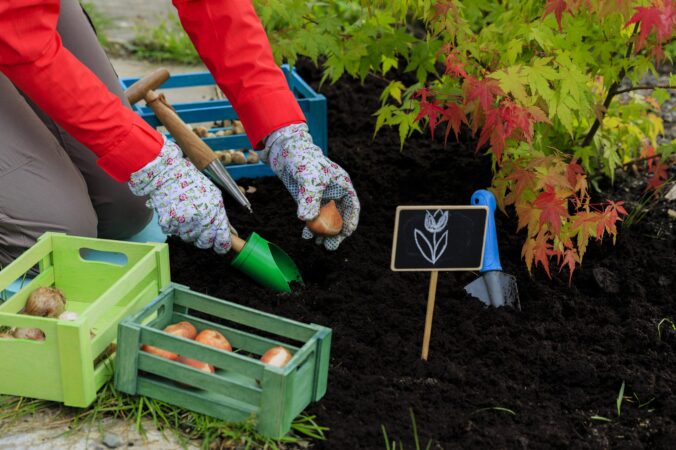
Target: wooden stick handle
<point>153,80</point>
<point>431,295</point>
<point>199,153</point>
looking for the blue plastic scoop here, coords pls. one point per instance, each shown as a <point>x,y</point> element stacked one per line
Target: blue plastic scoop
<point>493,287</point>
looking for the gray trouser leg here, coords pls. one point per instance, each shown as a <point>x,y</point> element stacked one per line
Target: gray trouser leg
<point>49,181</point>
<point>40,187</point>
<point>121,214</point>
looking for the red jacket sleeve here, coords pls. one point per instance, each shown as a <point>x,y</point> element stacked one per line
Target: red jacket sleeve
<point>232,43</point>
<point>33,58</point>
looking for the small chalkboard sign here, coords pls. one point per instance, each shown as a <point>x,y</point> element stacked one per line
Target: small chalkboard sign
<point>439,238</point>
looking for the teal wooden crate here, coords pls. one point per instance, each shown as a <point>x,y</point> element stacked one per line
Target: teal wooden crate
<point>242,386</point>
<point>70,365</point>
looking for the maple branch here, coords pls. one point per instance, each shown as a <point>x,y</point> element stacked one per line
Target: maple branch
<point>637,88</point>
<point>637,160</point>
<point>611,93</point>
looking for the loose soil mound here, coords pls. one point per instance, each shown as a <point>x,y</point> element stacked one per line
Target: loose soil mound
<point>555,364</point>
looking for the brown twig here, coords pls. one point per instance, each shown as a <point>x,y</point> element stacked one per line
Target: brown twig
<point>638,88</point>
<point>609,98</point>
<point>641,159</point>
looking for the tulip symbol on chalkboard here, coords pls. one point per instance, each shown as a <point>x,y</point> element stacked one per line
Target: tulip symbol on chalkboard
<point>435,223</point>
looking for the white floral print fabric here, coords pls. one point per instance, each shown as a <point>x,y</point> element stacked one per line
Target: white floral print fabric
<point>187,203</point>
<point>312,179</point>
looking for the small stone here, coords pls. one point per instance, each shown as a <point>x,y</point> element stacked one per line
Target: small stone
<point>112,440</point>
<point>606,280</point>
<point>671,195</point>
<point>672,213</point>
<point>250,189</point>
<point>663,281</point>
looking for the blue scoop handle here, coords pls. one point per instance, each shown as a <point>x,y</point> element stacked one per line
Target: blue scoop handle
<point>491,255</point>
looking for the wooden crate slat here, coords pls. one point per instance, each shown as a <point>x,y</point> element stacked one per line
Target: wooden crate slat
<point>176,371</point>
<point>204,402</point>
<point>239,339</point>
<point>245,316</point>
<point>201,352</point>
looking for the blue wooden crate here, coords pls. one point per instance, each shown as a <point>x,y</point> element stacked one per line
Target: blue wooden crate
<point>312,104</point>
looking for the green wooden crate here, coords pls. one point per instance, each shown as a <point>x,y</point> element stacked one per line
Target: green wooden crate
<point>61,368</point>
<point>242,386</point>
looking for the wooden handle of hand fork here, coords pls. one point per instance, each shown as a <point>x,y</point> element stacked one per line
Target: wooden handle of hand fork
<point>199,153</point>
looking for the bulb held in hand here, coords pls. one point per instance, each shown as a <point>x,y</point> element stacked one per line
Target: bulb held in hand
<point>329,222</point>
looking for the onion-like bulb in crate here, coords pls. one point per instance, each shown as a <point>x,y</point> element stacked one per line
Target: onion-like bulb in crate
<point>276,356</point>
<point>45,302</point>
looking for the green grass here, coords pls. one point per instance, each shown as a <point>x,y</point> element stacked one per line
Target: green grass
<point>496,408</point>
<point>666,322</point>
<point>186,425</point>
<point>100,21</point>
<point>647,201</point>
<point>618,401</point>
<point>166,42</point>
<point>394,445</point>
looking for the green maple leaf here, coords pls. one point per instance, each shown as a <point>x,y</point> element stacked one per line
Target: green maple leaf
<point>392,90</point>
<point>512,80</point>
<point>539,76</point>
<point>388,63</point>
<point>573,83</point>
<point>514,48</point>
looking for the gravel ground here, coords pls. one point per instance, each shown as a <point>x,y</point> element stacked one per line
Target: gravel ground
<point>127,15</point>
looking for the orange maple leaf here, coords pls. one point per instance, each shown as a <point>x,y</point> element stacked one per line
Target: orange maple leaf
<point>570,258</point>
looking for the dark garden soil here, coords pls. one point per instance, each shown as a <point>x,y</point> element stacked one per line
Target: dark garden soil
<point>555,364</point>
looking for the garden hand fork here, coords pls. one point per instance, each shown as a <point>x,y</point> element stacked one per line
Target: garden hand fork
<point>493,287</point>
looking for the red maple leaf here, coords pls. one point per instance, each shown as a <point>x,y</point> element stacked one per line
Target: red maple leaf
<point>432,111</point>
<point>659,176</point>
<point>508,120</point>
<point>558,7</point>
<point>455,117</point>
<point>422,93</point>
<point>609,217</point>
<point>443,7</point>
<point>454,66</point>
<point>661,16</point>
<point>574,172</point>
<point>484,91</point>
<point>523,179</point>
<point>553,208</point>
<point>648,152</point>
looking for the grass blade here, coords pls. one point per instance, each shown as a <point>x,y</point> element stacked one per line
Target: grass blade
<point>496,408</point>
<point>600,418</point>
<point>618,402</point>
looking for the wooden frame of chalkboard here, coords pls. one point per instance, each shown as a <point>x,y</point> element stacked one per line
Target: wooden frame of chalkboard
<point>472,223</point>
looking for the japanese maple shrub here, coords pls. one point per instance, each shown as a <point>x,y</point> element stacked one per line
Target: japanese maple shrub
<point>550,89</point>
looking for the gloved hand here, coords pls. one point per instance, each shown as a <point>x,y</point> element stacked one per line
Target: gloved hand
<point>186,202</point>
<point>312,179</point>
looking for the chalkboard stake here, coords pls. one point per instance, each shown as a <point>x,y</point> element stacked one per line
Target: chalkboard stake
<point>431,295</point>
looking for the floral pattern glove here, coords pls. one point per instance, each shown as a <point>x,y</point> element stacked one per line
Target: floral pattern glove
<point>312,179</point>
<point>186,202</point>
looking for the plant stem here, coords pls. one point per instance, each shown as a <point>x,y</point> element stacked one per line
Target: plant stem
<point>636,88</point>
<point>611,93</point>
<point>636,160</point>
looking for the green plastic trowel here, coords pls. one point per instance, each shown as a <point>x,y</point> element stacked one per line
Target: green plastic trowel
<point>265,262</point>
